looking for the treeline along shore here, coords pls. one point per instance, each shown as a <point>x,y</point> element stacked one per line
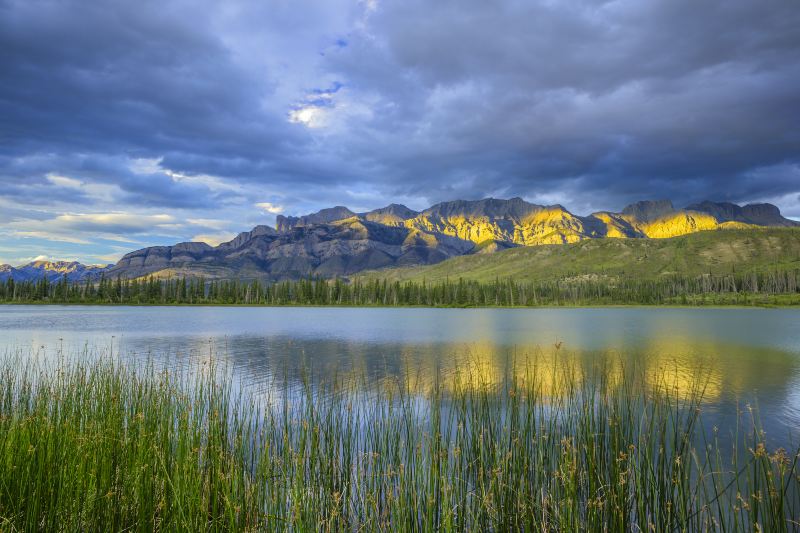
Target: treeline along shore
<point>769,287</point>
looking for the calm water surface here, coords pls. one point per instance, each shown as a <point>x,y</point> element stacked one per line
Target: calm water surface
<point>741,356</point>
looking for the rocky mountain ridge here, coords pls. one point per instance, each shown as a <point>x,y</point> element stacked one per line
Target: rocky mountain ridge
<point>329,249</point>
<point>339,242</point>
<point>516,222</point>
<point>53,271</point>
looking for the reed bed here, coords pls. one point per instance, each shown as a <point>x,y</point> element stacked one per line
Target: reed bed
<point>101,445</point>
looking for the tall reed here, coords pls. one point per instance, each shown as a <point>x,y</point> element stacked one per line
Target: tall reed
<point>98,445</point>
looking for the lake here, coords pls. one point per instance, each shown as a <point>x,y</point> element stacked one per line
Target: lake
<point>741,357</point>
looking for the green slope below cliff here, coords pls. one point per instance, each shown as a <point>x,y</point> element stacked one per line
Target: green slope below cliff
<point>717,252</point>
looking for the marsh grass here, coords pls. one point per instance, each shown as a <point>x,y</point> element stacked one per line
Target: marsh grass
<point>98,445</point>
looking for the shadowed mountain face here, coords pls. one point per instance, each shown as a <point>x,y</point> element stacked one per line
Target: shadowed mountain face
<point>756,214</point>
<point>648,210</point>
<point>338,242</point>
<point>330,249</point>
<point>391,214</point>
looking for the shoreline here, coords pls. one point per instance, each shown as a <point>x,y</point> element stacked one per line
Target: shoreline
<point>586,306</point>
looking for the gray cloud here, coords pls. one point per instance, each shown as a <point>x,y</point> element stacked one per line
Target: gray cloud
<point>311,103</point>
<point>626,99</point>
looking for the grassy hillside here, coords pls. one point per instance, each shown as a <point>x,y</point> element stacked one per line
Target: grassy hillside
<point>717,252</point>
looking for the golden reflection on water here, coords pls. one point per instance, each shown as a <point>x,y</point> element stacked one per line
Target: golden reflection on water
<point>683,366</point>
<point>677,365</point>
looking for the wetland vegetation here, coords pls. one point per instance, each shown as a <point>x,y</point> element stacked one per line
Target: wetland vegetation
<point>98,444</point>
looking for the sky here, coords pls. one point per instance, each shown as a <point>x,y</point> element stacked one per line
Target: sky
<point>129,124</point>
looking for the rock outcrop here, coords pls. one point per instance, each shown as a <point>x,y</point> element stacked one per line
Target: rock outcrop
<point>331,214</point>
<point>393,214</point>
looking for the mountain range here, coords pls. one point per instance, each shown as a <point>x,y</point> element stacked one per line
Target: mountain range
<point>339,242</point>
<point>53,271</point>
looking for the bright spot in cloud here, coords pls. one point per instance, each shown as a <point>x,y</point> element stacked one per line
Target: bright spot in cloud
<point>332,109</point>
<point>311,116</point>
<point>270,207</point>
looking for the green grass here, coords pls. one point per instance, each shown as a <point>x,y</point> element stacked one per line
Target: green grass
<point>96,445</point>
<point>718,252</point>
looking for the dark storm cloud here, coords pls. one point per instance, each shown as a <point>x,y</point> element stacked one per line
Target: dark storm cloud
<point>113,77</point>
<point>618,99</point>
<point>590,104</point>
